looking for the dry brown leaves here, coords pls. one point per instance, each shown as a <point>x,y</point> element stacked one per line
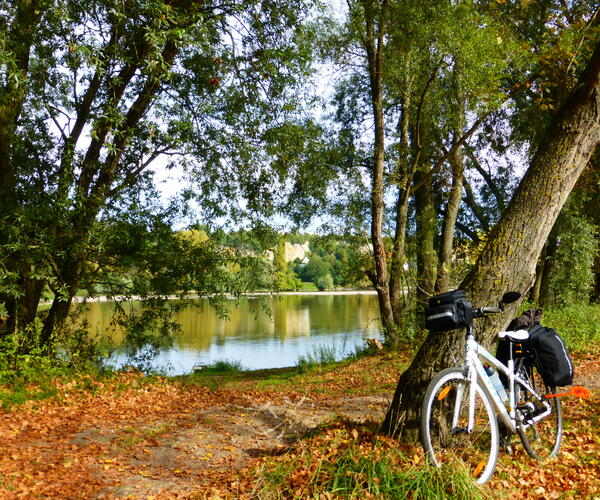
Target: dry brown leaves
<point>131,438</point>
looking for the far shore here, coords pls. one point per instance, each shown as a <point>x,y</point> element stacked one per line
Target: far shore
<point>103,298</point>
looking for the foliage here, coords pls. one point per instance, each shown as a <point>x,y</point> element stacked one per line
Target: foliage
<point>27,371</point>
<point>94,96</point>
<point>571,275</point>
<point>578,324</point>
<point>145,267</point>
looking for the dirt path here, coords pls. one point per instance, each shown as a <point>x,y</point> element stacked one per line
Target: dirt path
<point>224,439</point>
<point>170,441</point>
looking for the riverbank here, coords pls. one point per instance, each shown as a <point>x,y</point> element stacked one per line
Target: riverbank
<point>103,298</point>
<point>259,434</point>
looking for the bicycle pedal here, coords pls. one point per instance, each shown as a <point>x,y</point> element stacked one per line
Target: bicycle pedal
<point>460,430</point>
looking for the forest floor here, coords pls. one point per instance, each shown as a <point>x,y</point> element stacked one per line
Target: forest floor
<point>132,436</point>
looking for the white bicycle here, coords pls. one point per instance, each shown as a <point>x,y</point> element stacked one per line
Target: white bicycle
<point>464,418</point>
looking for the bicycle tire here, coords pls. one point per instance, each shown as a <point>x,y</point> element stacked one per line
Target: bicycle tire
<point>541,439</point>
<point>443,443</point>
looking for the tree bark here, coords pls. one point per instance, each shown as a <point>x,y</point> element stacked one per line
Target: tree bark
<point>449,223</point>
<point>373,41</point>
<point>546,295</point>
<point>398,280</point>
<point>425,236</point>
<point>509,258</point>
<point>540,272</point>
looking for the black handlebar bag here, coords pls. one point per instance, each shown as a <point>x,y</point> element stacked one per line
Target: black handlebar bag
<point>448,311</point>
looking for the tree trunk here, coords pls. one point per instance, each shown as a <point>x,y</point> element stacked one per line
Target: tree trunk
<point>508,260</point>
<point>373,40</point>
<point>546,295</point>
<point>397,278</point>
<point>449,223</point>
<point>540,272</point>
<point>398,281</point>
<point>425,236</point>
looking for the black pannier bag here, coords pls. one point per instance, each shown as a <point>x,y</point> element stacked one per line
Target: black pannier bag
<point>448,311</point>
<point>551,356</point>
<point>547,348</point>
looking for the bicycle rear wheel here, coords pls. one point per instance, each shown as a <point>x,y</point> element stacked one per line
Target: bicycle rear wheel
<point>540,439</point>
<point>444,421</point>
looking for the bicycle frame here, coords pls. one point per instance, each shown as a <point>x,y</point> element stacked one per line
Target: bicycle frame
<point>475,373</point>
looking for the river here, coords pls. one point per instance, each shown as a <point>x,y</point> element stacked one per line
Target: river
<point>300,325</point>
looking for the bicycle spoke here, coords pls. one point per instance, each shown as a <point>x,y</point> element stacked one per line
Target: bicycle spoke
<point>445,421</point>
<point>541,439</point>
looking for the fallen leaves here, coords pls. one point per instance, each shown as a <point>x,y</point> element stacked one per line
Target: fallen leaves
<point>138,437</point>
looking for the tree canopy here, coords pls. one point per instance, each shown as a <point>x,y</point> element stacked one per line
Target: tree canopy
<point>92,94</point>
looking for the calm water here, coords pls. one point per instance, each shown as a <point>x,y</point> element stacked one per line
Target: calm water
<point>299,325</point>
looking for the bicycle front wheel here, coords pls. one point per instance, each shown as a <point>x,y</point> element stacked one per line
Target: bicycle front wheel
<point>444,425</point>
<point>540,439</point>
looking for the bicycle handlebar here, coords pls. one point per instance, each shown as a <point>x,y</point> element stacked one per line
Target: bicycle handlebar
<point>507,298</point>
<point>492,310</point>
<point>482,311</point>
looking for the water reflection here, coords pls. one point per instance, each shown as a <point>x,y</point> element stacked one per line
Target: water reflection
<point>297,325</point>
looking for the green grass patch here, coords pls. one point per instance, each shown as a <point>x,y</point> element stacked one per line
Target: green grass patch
<point>342,461</point>
<point>215,375</point>
<point>222,367</point>
<point>327,355</point>
<point>308,286</point>
<point>578,325</point>
<point>320,356</point>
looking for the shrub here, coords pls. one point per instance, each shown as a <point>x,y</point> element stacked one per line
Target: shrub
<point>578,325</point>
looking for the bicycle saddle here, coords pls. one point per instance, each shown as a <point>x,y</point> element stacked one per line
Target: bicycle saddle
<point>517,336</point>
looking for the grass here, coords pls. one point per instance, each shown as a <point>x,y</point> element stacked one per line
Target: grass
<point>308,286</point>
<point>578,325</point>
<point>347,461</point>
<point>325,355</point>
<point>321,356</point>
<point>222,367</point>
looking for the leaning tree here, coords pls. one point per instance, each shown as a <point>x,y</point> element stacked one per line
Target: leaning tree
<point>510,255</point>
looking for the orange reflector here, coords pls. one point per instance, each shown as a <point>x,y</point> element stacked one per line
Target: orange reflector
<point>479,468</point>
<point>444,392</point>
<point>577,390</point>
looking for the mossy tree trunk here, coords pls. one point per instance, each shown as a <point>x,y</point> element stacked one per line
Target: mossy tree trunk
<point>508,260</point>
<point>426,229</point>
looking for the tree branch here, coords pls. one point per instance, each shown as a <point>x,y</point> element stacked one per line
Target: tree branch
<point>489,181</point>
<point>474,206</point>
